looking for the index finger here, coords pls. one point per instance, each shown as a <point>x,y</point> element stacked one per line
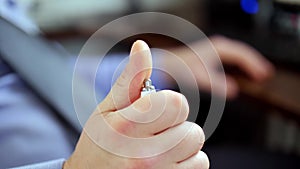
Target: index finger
<point>151,114</point>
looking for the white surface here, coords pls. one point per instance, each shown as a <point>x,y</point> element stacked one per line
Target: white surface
<point>51,14</point>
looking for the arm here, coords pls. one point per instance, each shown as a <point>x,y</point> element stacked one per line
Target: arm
<point>55,164</point>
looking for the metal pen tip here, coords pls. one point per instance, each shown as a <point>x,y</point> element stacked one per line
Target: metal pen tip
<point>147,83</point>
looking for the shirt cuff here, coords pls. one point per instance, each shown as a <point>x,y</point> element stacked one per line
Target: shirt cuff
<point>55,164</point>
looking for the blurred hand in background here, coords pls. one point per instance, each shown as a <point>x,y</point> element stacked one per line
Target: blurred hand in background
<point>231,52</point>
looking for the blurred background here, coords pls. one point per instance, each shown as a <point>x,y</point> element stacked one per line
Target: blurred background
<point>260,128</point>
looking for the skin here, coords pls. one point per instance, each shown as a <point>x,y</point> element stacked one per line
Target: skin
<point>124,99</point>
<point>231,52</point>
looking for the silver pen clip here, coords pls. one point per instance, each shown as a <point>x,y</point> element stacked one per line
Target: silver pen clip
<point>147,88</point>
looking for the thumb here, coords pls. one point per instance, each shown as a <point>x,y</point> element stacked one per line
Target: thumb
<point>127,88</point>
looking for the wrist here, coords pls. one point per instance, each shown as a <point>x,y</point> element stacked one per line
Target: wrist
<point>83,152</point>
<point>73,163</point>
<point>68,164</point>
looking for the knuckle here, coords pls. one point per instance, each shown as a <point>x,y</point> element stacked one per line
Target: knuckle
<point>203,160</point>
<point>184,108</point>
<point>200,161</point>
<point>177,100</point>
<point>197,136</point>
<point>120,124</point>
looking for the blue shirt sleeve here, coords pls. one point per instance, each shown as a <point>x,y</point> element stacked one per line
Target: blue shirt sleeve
<point>30,131</point>
<point>55,164</point>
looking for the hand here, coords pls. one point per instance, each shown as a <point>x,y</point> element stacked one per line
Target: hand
<point>231,52</point>
<point>124,99</point>
<point>245,57</point>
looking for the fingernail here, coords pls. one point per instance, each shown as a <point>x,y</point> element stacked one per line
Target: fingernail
<point>138,46</point>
